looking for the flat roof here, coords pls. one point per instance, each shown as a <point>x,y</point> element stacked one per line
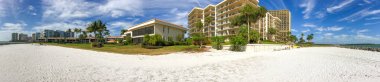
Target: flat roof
<point>154,21</point>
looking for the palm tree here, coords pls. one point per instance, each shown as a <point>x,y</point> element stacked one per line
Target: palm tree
<point>208,21</point>
<point>68,33</point>
<point>77,31</point>
<point>249,14</point>
<point>301,38</point>
<point>272,32</point>
<point>293,38</point>
<point>289,36</point>
<point>310,37</point>
<point>83,36</point>
<point>123,31</point>
<point>99,29</point>
<point>199,26</point>
<point>198,37</point>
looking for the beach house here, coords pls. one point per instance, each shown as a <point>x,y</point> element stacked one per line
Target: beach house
<point>155,26</point>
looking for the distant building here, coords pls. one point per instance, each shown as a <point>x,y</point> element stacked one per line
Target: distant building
<point>285,24</point>
<point>19,37</point>
<point>155,26</point>
<point>14,37</point>
<point>113,39</point>
<point>54,36</point>
<point>23,37</point>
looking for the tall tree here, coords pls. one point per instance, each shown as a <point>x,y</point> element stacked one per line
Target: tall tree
<point>272,32</point>
<point>207,22</point>
<point>123,31</point>
<point>293,38</point>
<point>301,38</point>
<point>255,36</point>
<point>198,37</point>
<point>249,14</point>
<point>99,29</point>
<point>310,37</point>
<point>199,26</point>
<point>77,32</point>
<point>83,36</point>
<point>67,34</point>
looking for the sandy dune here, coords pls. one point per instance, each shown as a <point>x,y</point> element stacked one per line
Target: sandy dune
<point>31,63</point>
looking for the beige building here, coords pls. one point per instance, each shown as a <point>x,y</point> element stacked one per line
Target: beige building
<point>263,25</point>
<point>155,26</point>
<point>286,22</point>
<point>226,10</point>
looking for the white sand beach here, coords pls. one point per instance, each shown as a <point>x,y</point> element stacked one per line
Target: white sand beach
<point>33,63</point>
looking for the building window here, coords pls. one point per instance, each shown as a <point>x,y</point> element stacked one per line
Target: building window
<point>143,31</point>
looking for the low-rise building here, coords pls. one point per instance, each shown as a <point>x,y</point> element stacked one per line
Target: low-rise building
<point>155,26</point>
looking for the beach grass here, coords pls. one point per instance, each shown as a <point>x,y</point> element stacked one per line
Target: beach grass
<point>133,49</point>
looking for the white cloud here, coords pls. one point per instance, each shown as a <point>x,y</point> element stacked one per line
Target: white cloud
<point>309,25</point>
<point>67,9</point>
<point>328,34</point>
<point>345,39</point>
<point>13,26</point>
<point>339,6</point>
<point>373,23</point>
<point>320,15</point>
<point>294,30</point>
<point>76,9</point>
<point>62,25</point>
<point>179,17</point>
<point>362,31</point>
<point>305,31</point>
<point>360,14</point>
<point>123,24</point>
<point>334,28</point>
<point>2,8</point>
<point>309,7</point>
<point>8,28</point>
<point>30,7</point>
<point>331,28</point>
<point>119,8</point>
<point>373,18</point>
<point>366,1</point>
<point>9,8</point>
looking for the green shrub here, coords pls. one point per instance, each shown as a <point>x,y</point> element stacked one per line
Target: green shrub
<point>217,42</point>
<point>155,40</point>
<point>127,40</point>
<point>170,41</point>
<point>238,43</point>
<point>96,44</point>
<point>189,41</point>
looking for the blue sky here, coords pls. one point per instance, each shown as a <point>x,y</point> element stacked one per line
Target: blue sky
<point>332,21</point>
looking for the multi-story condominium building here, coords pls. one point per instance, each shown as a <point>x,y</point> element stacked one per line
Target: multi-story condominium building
<point>263,25</point>
<point>221,14</point>
<point>54,35</point>
<point>22,37</point>
<point>193,17</point>
<point>286,22</point>
<point>155,26</point>
<point>14,37</point>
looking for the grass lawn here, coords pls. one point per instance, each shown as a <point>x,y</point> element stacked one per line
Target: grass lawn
<point>133,49</point>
